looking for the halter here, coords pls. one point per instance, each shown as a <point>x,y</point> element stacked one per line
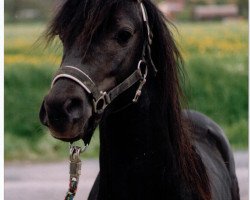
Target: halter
<point>100,99</point>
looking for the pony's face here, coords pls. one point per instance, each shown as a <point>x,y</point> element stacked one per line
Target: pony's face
<point>111,56</point>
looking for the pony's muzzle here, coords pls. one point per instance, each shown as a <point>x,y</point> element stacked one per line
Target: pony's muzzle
<point>64,111</point>
<point>55,114</point>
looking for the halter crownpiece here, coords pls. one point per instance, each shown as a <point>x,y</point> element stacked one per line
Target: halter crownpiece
<point>146,52</point>
<point>145,20</point>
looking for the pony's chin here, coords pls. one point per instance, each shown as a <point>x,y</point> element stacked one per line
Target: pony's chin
<point>67,138</point>
<point>74,134</point>
<point>73,139</point>
<point>85,134</point>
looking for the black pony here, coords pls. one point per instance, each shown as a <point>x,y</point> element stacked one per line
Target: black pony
<point>149,149</point>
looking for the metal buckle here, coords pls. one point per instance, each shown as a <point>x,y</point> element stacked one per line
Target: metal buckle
<point>75,161</point>
<point>82,149</point>
<point>142,81</point>
<point>145,73</point>
<point>100,104</point>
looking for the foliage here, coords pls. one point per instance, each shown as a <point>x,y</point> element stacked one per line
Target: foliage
<point>40,10</point>
<point>243,7</point>
<point>216,65</point>
<point>27,10</point>
<point>216,58</point>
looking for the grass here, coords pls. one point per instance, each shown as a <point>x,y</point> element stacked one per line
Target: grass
<point>216,56</point>
<point>216,61</point>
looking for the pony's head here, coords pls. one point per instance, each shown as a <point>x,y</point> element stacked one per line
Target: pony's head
<point>104,43</point>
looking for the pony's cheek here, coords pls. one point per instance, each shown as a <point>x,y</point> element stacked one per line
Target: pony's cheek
<point>107,84</point>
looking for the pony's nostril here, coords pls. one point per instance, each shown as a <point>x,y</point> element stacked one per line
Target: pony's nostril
<point>74,108</point>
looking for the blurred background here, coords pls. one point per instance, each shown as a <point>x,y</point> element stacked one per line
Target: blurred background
<point>212,36</point>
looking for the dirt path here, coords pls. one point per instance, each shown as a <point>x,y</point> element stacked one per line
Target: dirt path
<point>50,181</point>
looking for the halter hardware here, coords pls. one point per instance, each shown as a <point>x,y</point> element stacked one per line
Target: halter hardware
<point>100,104</point>
<point>142,81</point>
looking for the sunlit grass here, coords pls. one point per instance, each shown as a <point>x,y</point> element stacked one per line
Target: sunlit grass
<point>220,39</point>
<point>216,61</point>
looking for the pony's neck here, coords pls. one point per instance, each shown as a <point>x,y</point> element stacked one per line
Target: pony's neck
<point>133,154</point>
<point>130,134</point>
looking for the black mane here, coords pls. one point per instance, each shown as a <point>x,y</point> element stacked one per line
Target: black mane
<point>169,63</point>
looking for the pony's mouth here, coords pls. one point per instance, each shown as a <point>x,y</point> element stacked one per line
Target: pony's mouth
<point>85,133</point>
<point>69,139</point>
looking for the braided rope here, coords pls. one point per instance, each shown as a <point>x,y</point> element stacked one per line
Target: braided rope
<point>72,189</point>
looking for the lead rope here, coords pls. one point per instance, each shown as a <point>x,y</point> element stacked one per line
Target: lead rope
<point>74,170</point>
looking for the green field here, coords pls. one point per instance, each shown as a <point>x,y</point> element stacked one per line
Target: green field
<point>216,63</point>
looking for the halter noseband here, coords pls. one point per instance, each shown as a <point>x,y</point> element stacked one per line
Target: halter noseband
<point>102,98</point>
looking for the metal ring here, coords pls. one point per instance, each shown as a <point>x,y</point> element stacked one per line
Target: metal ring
<point>106,100</point>
<point>82,148</point>
<point>139,68</point>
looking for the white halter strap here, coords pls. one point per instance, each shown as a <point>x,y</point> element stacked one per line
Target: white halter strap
<point>74,78</point>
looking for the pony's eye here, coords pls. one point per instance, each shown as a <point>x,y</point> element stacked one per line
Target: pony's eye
<point>123,36</point>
